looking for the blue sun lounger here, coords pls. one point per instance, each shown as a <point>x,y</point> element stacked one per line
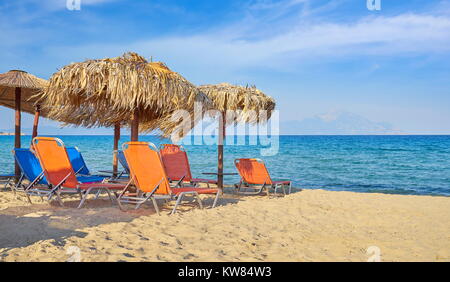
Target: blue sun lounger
<point>80,166</point>
<point>118,175</point>
<point>78,163</point>
<point>30,168</point>
<point>123,161</point>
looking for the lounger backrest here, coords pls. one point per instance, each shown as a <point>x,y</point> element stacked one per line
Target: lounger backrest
<point>29,164</point>
<point>77,161</point>
<point>123,161</point>
<point>175,162</point>
<point>146,168</point>
<point>253,171</point>
<point>54,161</point>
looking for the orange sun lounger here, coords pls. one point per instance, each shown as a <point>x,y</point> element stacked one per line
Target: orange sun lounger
<point>254,175</point>
<point>59,172</point>
<point>149,176</point>
<point>176,164</point>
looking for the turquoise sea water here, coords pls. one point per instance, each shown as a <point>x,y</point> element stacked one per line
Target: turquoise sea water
<point>386,164</point>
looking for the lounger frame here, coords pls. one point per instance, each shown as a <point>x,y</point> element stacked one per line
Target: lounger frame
<point>180,181</point>
<point>19,186</point>
<point>140,197</point>
<point>57,190</point>
<point>260,187</point>
<point>8,181</point>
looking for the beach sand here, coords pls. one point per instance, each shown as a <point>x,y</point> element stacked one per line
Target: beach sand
<point>310,225</point>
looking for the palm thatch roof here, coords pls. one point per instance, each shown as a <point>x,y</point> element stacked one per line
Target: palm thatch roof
<point>106,91</point>
<point>29,85</point>
<point>248,102</point>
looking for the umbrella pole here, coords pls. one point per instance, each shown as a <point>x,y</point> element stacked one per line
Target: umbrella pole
<point>220,151</point>
<point>135,126</point>
<point>18,94</point>
<point>37,113</point>
<point>116,147</point>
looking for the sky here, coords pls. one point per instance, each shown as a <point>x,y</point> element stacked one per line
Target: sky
<point>313,56</point>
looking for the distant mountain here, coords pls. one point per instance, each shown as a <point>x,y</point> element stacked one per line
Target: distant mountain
<point>337,123</point>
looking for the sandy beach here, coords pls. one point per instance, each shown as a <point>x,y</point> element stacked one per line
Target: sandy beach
<point>310,225</point>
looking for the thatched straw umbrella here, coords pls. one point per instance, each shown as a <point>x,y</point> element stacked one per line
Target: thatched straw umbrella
<point>114,91</point>
<point>16,91</point>
<point>248,103</point>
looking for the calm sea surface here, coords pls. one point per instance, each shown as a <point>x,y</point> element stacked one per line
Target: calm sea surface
<point>386,164</point>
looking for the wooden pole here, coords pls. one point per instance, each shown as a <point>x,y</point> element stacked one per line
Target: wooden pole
<point>135,126</point>
<point>222,133</point>
<point>116,147</point>
<point>37,113</point>
<point>18,94</point>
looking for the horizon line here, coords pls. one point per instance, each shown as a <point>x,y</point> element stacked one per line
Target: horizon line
<point>407,134</point>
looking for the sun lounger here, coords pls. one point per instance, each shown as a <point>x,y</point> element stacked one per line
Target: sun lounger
<point>59,172</point>
<point>32,171</point>
<point>255,176</point>
<point>123,175</point>
<point>176,164</point>
<point>30,168</point>
<point>77,161</point>
<point>149,177</point>
<point>118,176</point>
<point>79,165</point>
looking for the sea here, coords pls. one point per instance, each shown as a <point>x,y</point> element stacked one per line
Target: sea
<point>397,164</point>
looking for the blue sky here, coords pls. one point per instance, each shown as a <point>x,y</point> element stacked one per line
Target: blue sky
<point>313,57</point>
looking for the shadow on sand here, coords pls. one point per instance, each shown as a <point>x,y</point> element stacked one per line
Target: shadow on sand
<point>21,231</point>
<point>22,226</point>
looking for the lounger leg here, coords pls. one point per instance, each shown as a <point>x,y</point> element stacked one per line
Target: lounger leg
<point>86,193</point>
<point>281,186</point>
<point>180,197</point>
<point>261,190</point>
<point>122,194</point>
<point>239,187</point>
<point>58,197</point>
<point>143,201</point>
<point>8,183</point>
<point>199,200</point>
<point>155,205</point>
<point>119,203</point>
<point>98,194</point>
<point>290,187</point>
<point>50,196</point>
<point>216,199</point>
<point>15,187</point>
<point>111,196</point>
<point>29,198</point>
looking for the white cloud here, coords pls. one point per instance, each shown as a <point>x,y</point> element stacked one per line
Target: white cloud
<point>397,35</point>
<point>251,42</point>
